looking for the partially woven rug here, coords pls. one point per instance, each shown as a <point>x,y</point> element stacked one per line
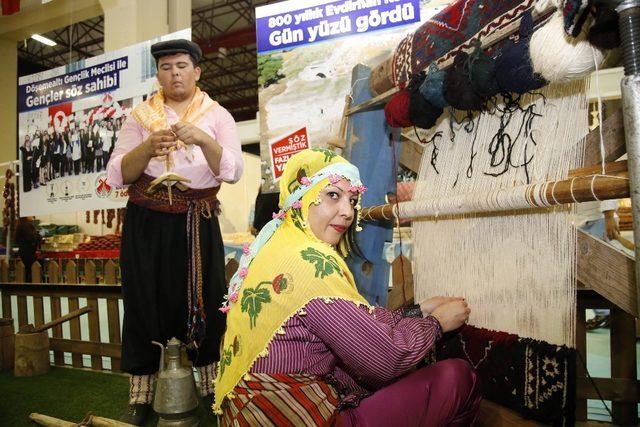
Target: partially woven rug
<point>454,28</point>
<point>534,378</point>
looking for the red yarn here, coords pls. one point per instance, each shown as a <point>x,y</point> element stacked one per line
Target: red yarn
<point>397,110</point>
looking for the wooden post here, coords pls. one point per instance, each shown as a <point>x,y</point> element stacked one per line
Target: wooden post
<point>70,273</point>
<point>581,347</point>
<point>56,331</point>
<point>38,310</point>
<point>19,272</point>
<point>74,329</point>
<point>94,331</point>
<point>109,274</point>
<point>36,272</point>
<point>4,271</point>
<point>23,318</point>
<point>53,271</point>
<point>6,305</point>
<point>113,316</point>
<point>90,272</point>
<point>401,276</point>
<point>623,362</point>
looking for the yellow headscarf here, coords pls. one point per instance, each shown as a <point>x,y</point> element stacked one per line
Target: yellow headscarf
<point>285,268</point>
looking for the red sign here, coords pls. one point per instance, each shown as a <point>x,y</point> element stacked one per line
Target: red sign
<point>286,147</point>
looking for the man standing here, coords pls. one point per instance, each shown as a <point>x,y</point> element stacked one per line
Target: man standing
<point>172,257</point>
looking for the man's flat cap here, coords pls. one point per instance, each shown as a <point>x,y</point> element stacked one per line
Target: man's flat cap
<point>171,47</point>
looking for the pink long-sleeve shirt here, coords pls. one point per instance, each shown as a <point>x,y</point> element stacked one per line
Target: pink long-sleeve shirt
<point>357,351</point>
<point>218,123</point>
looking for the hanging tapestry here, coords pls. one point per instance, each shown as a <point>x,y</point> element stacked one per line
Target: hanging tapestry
<point>451,30</point>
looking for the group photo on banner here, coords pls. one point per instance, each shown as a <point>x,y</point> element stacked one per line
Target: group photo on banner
<point>68,125</point>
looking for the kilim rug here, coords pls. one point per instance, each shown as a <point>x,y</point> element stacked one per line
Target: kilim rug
<point>534,378</point>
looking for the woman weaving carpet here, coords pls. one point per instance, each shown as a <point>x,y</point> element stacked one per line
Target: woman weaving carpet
<point>303,347</point>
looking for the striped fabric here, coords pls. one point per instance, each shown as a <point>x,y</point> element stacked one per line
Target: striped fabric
<point>141,389</point>
<point>281,400</point>
<point>356,351</point>
<point>206,374</point>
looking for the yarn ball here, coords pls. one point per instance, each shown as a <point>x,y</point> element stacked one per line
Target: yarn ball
<point>432,86</point>
<point>558,57</point>
<point>415,82</point>
<point>604,33</point>
<point>397,110</point>
<point>422,113</point>
<point>457,89</point>
<point>514,71</point>
<point>483,74</point>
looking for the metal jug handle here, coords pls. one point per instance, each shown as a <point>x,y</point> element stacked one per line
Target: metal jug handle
<point>161,367</point>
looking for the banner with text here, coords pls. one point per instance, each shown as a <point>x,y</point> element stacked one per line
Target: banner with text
<point>307,52</point>
<point>69,119</point>
<point>305,25</point>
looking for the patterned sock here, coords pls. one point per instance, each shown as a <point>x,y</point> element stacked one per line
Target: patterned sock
<point>141,389</point>
<point>207,373</point>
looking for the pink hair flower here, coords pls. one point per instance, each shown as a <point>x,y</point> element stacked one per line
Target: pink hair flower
<point>296,204</point>
<point>233,297</point>
<point>280,215</point>
<point>362,188</point>
<point>243,272</point>
<point>353,189</point>
<point>245,249</point>
<point>225,309</point>
<point>305,181</point>
<point>334,179</point>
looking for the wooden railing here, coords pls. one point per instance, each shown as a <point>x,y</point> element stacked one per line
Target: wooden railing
<point>65,286</point>
<point>50,298</point>
<point>71,271</point>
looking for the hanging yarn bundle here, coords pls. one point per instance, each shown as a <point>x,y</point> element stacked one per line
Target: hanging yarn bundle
<point>514,71</point>
<point>422,113</point>
<point>432,86</point>
<point>560,58</point>
<point>396,111</point>
<point>605,32</point>
<point>458,90</point>
<point>483,73</point>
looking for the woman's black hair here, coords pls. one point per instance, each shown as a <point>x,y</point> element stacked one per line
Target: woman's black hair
<point>353,248</point>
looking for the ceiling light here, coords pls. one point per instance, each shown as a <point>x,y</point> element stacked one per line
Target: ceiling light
<point>43,40</point>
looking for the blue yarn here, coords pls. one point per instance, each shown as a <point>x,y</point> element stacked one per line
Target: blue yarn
<point>514,70</point>
<point>431,87</point>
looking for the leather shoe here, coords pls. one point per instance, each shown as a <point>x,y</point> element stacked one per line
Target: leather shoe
<point>207,403</point>
<point>136,414</point>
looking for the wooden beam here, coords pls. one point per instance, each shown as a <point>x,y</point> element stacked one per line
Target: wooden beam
<point>608,271</point>
<point>92,348</point>
<point>612,168</point>
<point>618,389</point>
<point>614,142</point>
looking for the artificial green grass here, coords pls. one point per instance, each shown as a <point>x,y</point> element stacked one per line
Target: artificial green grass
<point>68,394</point>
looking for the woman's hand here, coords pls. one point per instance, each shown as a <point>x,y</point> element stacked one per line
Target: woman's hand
<point>452,314</point>
<point>429,305</point>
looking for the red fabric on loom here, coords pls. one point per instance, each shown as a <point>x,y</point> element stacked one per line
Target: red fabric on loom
<point>397,110</point>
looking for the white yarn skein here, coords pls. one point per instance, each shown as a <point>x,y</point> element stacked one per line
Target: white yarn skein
<point>560,58</point>
<point>543,5</point>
